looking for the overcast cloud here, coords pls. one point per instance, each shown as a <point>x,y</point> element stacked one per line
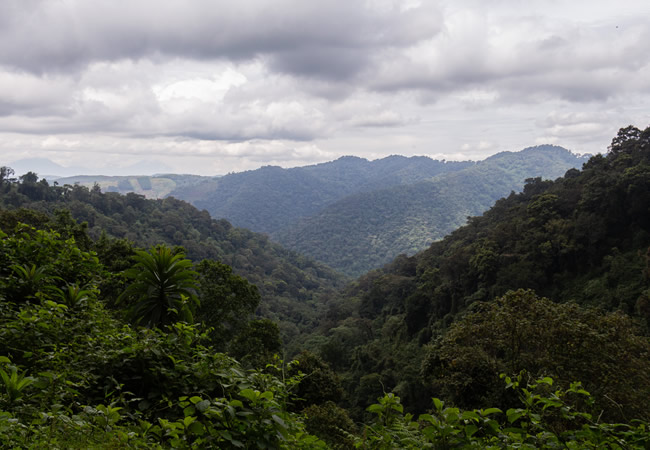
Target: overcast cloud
<point>210,87</point>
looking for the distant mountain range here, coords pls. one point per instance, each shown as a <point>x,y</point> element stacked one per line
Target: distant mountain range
<point>353,214</point>
<point>271,198</point>
<point>46,168</point>
<point>356,215</point>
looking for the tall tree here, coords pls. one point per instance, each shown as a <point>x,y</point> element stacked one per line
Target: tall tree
<point>227,300</point>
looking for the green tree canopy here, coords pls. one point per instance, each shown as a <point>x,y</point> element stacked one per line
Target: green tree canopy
<point>227,300</point>
<point>521,331</point>
<point>163,288</point>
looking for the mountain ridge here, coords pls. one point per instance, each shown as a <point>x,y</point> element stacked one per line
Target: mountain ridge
<point>368,229</point>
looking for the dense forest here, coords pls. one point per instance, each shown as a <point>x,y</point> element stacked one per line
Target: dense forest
<point>292,287</point>
<point>369,229</point>
<point>527,327</point>
<point>353,214</point>
<point>429,324</point>
<point>356,215</point>
<point>271,198</point>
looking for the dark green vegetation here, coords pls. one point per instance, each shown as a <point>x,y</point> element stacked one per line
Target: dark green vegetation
<point>75,374</point>
<point>428,325</point>
<point>497,323</point>
<point>367,230</point>
<point>292,287</point>
<point>352,214</point>
<point>271,198</point>
<point>355,215</point>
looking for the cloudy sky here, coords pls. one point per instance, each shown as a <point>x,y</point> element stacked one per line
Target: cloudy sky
<point>211,86</point>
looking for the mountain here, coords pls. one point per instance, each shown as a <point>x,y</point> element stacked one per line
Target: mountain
<point>155,186</point>
<point>418,325</point>
<point>367,230</point>
<point>271,198</point>
<point>43,167</point>
<point>46,168</point>
<point>293,287</point>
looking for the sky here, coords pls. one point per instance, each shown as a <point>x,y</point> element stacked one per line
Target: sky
<point>210,87</point>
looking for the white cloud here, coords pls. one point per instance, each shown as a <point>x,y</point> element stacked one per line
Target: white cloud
<point>291,82</point>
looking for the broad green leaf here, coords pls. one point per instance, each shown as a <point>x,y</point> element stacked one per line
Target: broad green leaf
<point>375,408</point>
<point>489,411</point>
<point>470,415</point>
<point>249,394</point>
<point>470,430</point>
<point>203,405</point>
<point>514,414</point>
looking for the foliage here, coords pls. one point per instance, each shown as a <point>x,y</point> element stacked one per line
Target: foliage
<point>582,238</point>
<point>227,301</point>
<point>319,383</point>
<point>163,287</point>
<point>74,376</point>
<point>330,423</point>
<point>258,344</point>
<point>522,331</point>
<point>271,198</point>
<point>292,288</point>
<point>546,418</point>
<point>369,229</point>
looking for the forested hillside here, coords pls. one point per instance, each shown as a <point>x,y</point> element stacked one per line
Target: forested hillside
<point>428,324</point>
<point>271,198</point>
<point>157,186</point>
<point>103,345</point>
<point>353,214</point>
<point>367,230</point>
<point>292,287</point>
<point>80,368</point>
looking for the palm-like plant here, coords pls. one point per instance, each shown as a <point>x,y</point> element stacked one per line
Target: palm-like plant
<point>14,383</point>
<point>163,287</point>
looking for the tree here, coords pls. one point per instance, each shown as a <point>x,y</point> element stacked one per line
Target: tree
<point>227,300</point>
<point>521,331</point>
<point>163,287</point>
<point>29,178</point>
<point>256,345</point>
<point>320,383</point>
<point>6,174</point>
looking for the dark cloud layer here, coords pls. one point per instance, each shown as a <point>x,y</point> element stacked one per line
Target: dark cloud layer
<point>304,81</point>
<point>324,39</point>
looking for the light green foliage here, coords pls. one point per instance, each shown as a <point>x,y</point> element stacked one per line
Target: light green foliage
<point>38,264</point>
<point>546,418</point>
<point>13,383</point>
<point>73,376</point>
<point>291,286</point>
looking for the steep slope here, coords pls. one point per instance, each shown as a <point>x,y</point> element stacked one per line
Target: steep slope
<point>367,230</point>
<point>292,286</point>
<point>271,198</point>
<point>584,238</point>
